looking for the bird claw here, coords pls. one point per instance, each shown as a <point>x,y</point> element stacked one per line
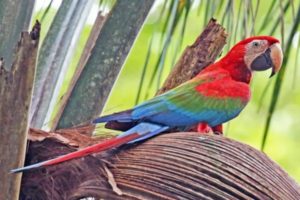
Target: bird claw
<point>217,133</point>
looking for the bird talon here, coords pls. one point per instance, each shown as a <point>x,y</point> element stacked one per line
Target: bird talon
<point>217,133</point>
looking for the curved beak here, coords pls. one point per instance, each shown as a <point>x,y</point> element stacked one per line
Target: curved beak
<point>271,58</point>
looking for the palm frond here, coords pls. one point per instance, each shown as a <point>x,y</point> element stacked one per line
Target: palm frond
<point>237,24</point>
<point>279,79</point>
<point>94,84</point>
<point>46,11</point>
<point>296,62</point>
<point>182,32</point>
<point>145,67</point>
<point>263,95</point>
<point>267,17</point>
<point>207,12</point>
<point>293,8</point>
<point>54,58</point>
<point>278,20</point>
<point>169,29</point>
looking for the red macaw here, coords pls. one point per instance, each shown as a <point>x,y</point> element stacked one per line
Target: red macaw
<point>216,95</point>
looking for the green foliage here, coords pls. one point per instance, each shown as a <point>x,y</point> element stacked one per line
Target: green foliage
<point>280,77</point>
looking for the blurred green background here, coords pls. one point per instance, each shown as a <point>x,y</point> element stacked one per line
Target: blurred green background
<point>173,26</point>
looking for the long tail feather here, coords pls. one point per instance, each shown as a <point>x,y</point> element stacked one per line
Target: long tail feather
<point>111,143</point>
<point>139,132</point>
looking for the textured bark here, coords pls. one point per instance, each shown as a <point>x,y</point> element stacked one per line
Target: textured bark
<point>196,57</point>
<point>15,96</point>
<point>98,76</point>
<point>170,166</point>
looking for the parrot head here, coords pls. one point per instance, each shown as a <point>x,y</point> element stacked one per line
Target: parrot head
<point>259,53</point>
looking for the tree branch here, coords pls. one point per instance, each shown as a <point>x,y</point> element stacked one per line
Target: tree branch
<point>196,57</point>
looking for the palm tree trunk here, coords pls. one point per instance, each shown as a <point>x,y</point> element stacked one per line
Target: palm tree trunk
<point>15,97</point>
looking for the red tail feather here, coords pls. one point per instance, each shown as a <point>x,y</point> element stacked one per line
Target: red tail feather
<point>111,143</point>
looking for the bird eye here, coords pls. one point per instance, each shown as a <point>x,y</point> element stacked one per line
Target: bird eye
<point>255,44</point>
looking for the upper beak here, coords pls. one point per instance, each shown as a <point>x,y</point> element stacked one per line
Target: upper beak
<point>272,57</point>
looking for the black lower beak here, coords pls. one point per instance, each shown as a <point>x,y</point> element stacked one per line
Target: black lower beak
<point>263,62</point>
<point>271,58</point>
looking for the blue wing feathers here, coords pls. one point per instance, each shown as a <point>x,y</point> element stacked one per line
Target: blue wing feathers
<point>124,116</point>
<point>182,106</point>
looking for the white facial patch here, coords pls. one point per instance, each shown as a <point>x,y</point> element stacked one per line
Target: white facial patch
<point>254,49</point>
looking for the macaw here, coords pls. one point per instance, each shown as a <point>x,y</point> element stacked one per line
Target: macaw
<point>216,95</point>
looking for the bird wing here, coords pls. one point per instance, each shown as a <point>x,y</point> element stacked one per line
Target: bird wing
<point>212,97</point>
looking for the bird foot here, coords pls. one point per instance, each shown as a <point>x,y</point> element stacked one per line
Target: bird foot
<point>204,128</point>
<point>217,133</point>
